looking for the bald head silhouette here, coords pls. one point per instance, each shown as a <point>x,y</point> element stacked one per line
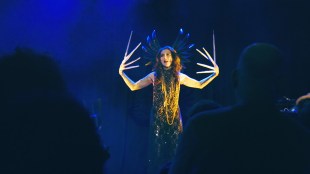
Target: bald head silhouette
<point>257,73</point>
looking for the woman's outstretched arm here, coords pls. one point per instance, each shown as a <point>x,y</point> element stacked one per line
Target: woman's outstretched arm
<point>147,80</point>
<point>193,83</point>
<point>131,84</point>
<point>190,82</point>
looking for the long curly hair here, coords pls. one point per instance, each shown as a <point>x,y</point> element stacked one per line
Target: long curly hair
<point>176,65</point>
<point>170,85</point>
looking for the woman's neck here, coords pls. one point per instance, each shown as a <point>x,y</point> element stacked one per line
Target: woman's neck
<point>166,68</point>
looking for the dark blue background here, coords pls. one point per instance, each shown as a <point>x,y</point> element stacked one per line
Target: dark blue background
<point>88,38</point>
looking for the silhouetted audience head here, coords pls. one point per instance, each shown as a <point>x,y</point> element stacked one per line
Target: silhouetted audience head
<point>251,136</point>
<point>45,129</point>
<point>202,105</point>
<point>25,72</point>
<point>257,73</point>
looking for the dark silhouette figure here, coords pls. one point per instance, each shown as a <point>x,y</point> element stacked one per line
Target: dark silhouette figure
<point>252,136</point>
<point>200,106</point>
<point>45,129</point>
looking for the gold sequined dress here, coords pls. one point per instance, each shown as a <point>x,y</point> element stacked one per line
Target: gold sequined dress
<point>166,124</point>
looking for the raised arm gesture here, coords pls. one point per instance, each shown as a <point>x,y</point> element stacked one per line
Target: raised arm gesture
<point>214,69</point>
<point>125,65</point>
<point>166,79</point>
<point>211,69</point>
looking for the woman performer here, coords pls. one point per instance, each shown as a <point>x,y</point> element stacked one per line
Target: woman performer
<point>166,78</point>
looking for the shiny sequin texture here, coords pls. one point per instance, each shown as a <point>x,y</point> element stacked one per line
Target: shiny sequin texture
<point>163,136</point>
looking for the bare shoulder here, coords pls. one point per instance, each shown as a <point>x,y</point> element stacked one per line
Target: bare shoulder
<point>182,77</point>
<point>151,76</point>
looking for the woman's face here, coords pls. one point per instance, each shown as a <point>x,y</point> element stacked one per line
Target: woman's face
<point>166,58</point>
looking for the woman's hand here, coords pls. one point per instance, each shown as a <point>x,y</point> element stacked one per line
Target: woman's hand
<point>213,69</point>
<point>124,65</point>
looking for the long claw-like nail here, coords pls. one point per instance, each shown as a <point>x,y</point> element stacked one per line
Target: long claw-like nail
<point>133,51</point>
<point>214,56</point>
<point>204,72</point>
<point>210,58</point>
<point>128,44</point>
<point>206,52</point>
<point>206,66</point>
<point>132,62</point>
<point>203,54</point>
<point>131,67</point>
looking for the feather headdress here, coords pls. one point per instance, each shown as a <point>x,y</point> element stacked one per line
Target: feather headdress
<point>181,45</point>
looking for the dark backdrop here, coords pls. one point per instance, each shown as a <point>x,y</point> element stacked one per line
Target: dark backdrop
<point>88,38</point>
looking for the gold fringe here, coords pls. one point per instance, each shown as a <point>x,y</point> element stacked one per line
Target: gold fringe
<point>171,99</point>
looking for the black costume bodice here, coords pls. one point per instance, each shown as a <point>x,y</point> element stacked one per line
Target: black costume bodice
<point>166,123</point>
